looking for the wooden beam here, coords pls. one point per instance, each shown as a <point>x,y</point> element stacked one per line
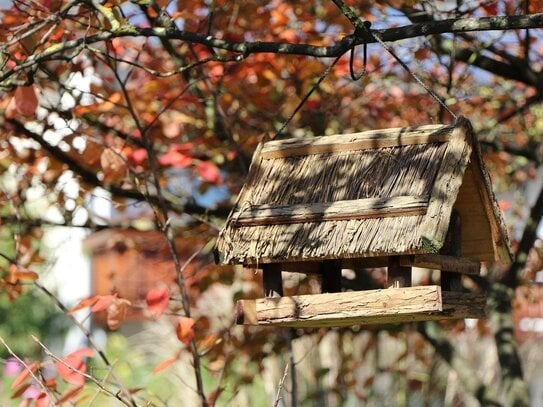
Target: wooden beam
<point>442,262</point>
<point>356,141</point>
<point>272,280</point>
<point>397,275</point>
<point>331,276</point>
<point>392,305</point>
<point>265,214</point>
<point>450,280</point>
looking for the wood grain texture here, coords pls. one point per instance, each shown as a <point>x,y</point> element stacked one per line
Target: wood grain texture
<point>356,141</point>
<point>442,262</point>
<point>446,187</point>
<point>392,305</point>
<point>256,215</point>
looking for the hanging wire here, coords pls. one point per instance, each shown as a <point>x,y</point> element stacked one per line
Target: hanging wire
<point>414,75</point>
<point>355,77</point>
<point>307,95</point>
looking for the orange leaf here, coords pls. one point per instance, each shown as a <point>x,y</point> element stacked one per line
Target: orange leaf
<point>71,368</point>
<point>20,391</point>
<point>103,302</point>
<point>113,165</point>
<point>164,365</point>
<point>25,374</point>
<point>17,273</point>
<point>116,313</point>
<point>87,302</point>
<point>50,383</point>
<point>70,393</point>
<point>157,301</point>
<point>185,329</point>
<point>104,106</point>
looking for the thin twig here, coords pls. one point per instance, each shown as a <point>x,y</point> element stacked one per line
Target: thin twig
<point>23,363</point>
<point>307,95</point>
<point>280,389</point>
<point>293,378</point>
<point>91,341</point>
<point>84,374</point>
<point>163,223</point>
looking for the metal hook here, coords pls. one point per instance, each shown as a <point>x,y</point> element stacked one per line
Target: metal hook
<point>354,77</point>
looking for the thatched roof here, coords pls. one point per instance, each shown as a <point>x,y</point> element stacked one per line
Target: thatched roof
<point>375,193</point>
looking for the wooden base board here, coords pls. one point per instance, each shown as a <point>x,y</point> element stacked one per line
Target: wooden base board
<point>384,306</point>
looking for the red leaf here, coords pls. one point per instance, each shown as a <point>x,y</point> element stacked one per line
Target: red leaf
<point>103,302</point>
<point>182,147</point>
<point>67,369</point>
<point>25,374</point>
<point>43,400</point>
<point>164,365</point>
<point>117,312</point>
<point>26,100</point>
<point>175,159</point>
<point>138,156</point>
<point>208,171</point>
<point>83,353</point>
<point>157,301</point>
<point>491,9</point>
<point>185,329</point>
<point>52,5</point>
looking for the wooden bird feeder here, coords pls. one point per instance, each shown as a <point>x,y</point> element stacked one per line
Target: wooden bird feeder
<point>395,198</point>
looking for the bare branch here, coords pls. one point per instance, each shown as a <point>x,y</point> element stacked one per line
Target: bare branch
<point>280,388</point>
<point>79,372</point>
<point>90,340</point>
<point>29,370</point>
<point>455,25</point>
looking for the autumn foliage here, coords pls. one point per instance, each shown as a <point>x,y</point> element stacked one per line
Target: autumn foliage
<point>159,106</point>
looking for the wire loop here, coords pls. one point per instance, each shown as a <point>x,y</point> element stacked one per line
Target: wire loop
<point>355,77</point>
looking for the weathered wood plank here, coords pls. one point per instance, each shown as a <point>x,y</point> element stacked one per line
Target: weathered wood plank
<point>392,305</point>
<point>356,141</point>
<point>350,209</point>
<point>446,187</point>
<point>442,262</point>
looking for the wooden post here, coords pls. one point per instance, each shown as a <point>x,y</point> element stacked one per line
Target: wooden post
<point>453,247</point>
<point>397,275</point>
<point>272,280</point>
<point>331,276</point>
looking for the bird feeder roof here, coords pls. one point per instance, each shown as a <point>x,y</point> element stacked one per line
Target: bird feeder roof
<point>370,194</point>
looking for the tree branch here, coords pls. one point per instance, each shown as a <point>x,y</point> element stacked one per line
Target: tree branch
<point>455,25</point>
<point>91,178</point>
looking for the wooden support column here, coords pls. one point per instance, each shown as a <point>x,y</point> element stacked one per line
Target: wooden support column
<point>397,275</point>
<point>331,276</point>
<point>452,247</point>
<point>272,280</point>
